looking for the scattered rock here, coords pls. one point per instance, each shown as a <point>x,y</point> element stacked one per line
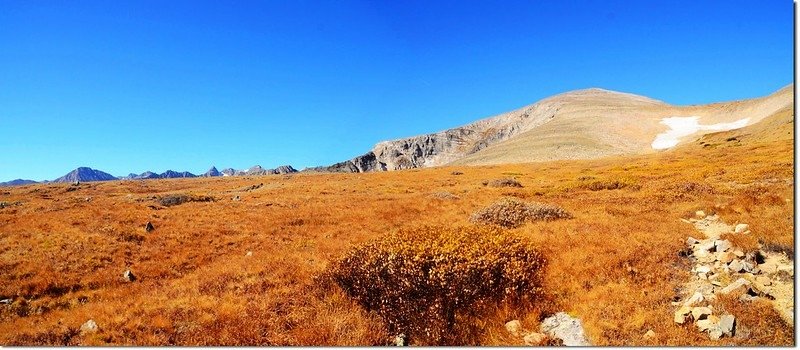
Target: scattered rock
<point>535,339</point>
<point>89,327</point>
<point>514,327</point>
<point>128,276</point>
<point>715,333</point>
<point>706,245</point>
<point>695,299</point>
<point>722,245</point>
<point>700,313</point>
<point>680,315</point>
<point>692,241</point>
<point>249,254</point>
<point>236,198</point>
<point>705,324</point>
<point>740,285</point>
<point>764,280</point>
<point>736,265</point>
<point>568,329</point>
<point>738,253</point>
<point>148,227</point>
<point>703,269</point>
<point>727,324</point>
<point>741,228</point>
<point>700,214</point>
<point>725,257</point>
<point>401,340</point>
<point>5,301</point>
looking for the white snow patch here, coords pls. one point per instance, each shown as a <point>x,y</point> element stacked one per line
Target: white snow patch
<point>685,126</point>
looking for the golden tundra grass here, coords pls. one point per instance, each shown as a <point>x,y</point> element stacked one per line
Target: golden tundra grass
<point>614,264</point>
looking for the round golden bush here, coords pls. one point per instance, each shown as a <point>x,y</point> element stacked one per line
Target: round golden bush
<point>424,282</point>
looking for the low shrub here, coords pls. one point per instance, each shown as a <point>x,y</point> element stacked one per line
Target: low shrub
<point>433,283</point>
<point>444,195</point>
<point>511,213</point>
<point>613,184</point>
<point>507,182</point>
<point>177,199</point>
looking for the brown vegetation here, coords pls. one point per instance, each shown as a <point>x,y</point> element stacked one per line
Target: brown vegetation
<point>615,264</point>
<point>434,284</point>
<point>511,213</point>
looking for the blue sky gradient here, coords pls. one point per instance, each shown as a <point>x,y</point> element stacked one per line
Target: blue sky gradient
<point>130,86</point>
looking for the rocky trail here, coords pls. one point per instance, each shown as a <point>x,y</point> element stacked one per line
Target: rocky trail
<point>719,268</point>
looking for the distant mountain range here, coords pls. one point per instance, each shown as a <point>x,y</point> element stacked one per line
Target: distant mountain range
<point>86,174</point>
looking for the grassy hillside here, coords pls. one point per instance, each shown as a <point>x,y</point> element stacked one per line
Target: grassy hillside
<point>615,263</point>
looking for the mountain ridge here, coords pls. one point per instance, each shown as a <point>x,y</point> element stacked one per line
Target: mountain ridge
<point>579,124</point>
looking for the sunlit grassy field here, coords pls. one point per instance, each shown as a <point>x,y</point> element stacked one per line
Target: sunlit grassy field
<point>614,263</point>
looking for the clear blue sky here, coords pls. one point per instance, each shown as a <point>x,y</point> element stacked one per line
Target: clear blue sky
<point>129,86</point>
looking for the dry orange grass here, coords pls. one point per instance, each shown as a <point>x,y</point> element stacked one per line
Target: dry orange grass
<point>615,264</point>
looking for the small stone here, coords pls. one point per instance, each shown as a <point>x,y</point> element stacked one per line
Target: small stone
<point>736,265</point>
<point>716,283</point>
<point>707,245</point>
<point>249,254</point>
<point>534,339</point>
<point>747,298</point>
<point>148,227</point>
<point>727,324</point>
<point>725,257</point>
<point>514,327</point>
<point>685,221</point>
<point>400,340</point>
<point>680,315</point>
<point>5,301</point>
<point>740,285</point>
<point>695,299</point>
<point>700,313</point>
<point>748,266</point>
<point>703,269</point>
<point>738,253</point>
<point>764,280</point>
<point>89,327</point>
<point>714,333</point>
<point>722,245</point>
<point>236,198</point>
<point>707,323</point>
<point>650,334</point>
<point>692,241</point>
<point>128,276</point>
<point>741,228</point>
<point>768,267</point>
<point>700,214</point>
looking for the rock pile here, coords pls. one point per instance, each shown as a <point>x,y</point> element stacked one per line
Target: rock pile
<point>561,326</point>
<point>716,260</point>
<point>514,328</point>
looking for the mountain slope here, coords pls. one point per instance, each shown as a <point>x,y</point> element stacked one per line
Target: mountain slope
<point>17,182</point>
<point>582,124</point>
<point>85,174</point>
